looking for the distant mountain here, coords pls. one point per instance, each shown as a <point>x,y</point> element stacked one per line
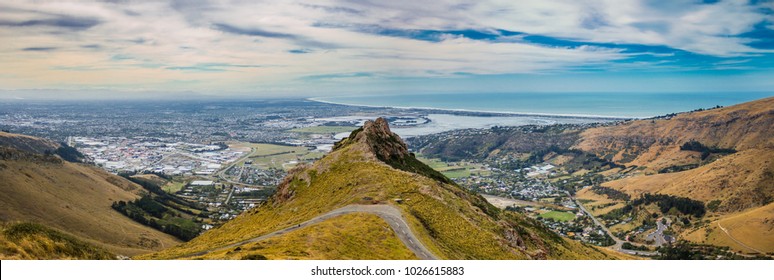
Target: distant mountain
<point>39,186</point>
<point>497,142</point>
<point>372,199</point>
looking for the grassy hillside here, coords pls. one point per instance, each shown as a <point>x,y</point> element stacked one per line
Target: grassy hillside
<point>496,142</point>
<point>355,236</point>
<point>75,199</point>
<point>451,222</point>
<point>656,143</point>
<point>29,241</point>
<point>27,143</point>
<point>722,157</point>
<point>739,181</point>
<point>749,232</point>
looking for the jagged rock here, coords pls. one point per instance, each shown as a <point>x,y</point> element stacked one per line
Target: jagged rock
<point>385,144</point>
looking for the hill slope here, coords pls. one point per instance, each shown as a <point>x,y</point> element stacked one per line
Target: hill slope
<point>73,198</point>
<point>751,231</point>
<point>741,177</point>
<point>742,182</point>
<point>27,143</point>
<point>29,241</point>
<point>739,181</point>
<point>373,167</point>
<point>656,143</point>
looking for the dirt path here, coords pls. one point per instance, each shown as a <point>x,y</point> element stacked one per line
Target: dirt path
<point>737,241</point>
<point>390,214</point>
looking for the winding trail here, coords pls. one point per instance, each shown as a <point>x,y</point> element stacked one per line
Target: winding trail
<point>737,241</point>
<point>389,213</point>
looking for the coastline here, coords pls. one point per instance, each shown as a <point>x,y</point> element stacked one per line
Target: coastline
<point>487,113</point>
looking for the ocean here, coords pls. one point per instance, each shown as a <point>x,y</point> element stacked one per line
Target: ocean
<point>624,105</point>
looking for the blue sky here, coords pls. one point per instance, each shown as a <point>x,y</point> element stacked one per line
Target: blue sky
<point>127,49</point>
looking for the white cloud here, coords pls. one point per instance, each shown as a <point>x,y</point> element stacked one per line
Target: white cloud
<point>157,44</point>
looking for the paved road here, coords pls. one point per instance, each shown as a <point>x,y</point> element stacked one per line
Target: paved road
<point>220,174</point>
<point>390,214</point>
<point>658,235</point>
<point>230,194</point>
<point>618,242</point>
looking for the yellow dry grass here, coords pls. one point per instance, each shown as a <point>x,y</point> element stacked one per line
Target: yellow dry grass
<point>741,181</point>
<point>76,199</point>
<point>744,126</point>
<point>151,178</point>
<point>599,204</point>
<point>356,236</point>
<point>27,143</point>
<point>27,241</point>
<point>754,229</point>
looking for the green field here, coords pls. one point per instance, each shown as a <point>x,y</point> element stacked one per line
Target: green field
<point>456,173</point>
<point>272,149</point>
<point>267,156</point>
<point>433,162</point>
<point>173,186</point>
<point>558,215</point>
<point>453,169</point>
<point>323,129</point>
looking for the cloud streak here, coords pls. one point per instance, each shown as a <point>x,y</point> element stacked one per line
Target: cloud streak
<point>72,23</point>
<point>297,45</point>
<point>251,31</point>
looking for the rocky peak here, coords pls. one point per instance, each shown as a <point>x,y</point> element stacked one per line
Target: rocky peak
<point>388,148</point>
<point>385,144</point>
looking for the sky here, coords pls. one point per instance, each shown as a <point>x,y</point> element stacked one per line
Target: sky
<point>155,49</point>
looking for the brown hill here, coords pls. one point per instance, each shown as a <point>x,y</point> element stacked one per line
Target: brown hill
<point>27,143</point>
<point>656,143</point>
<point>742,182</point>
<point>73,198</point>
<point>30,241</point>
<point>739,181</point>
<point>749,232</point>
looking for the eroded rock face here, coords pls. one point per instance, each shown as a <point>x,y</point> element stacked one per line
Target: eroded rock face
<point>284,189</point>
<point>376,137</point>
<point>385,144</point>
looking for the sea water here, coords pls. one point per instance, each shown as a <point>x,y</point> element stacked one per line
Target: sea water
<point>626,105</point>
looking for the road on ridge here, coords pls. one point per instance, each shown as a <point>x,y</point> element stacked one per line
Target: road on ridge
<point>389,213</point>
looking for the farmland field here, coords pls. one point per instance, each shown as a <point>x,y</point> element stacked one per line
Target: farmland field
<point>558,215</point>
<point>266,156</point>
<point>453,169</point>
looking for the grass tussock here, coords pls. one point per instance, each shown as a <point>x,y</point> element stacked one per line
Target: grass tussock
<point>357,236</point>
<point>34,241</point>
